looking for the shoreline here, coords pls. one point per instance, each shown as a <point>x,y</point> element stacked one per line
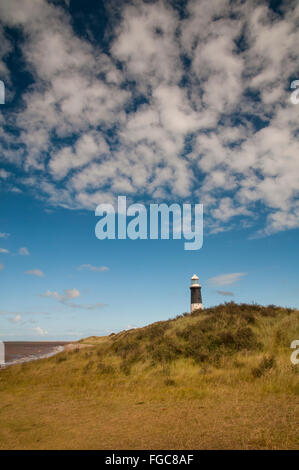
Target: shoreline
<point>18,352</point>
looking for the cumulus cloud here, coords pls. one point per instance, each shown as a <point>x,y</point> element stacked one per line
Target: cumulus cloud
<point>40,331</point>
<point>16,319</point>
<point>3,250</point>
<point>90,267</point>
<point>226,279</point>
<point>198,106</point>
<point>4,235</point>
<point>35,272</point>
<point>4,174</point>
<point>24,251</point>
<point>67,296</point>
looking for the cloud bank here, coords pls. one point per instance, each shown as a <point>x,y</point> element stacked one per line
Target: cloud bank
<point>192,106</point>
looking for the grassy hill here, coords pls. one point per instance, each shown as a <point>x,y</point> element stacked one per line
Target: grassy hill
<point>219,378</point>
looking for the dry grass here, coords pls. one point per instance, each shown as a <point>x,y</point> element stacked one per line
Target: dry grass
<point>154,388</point>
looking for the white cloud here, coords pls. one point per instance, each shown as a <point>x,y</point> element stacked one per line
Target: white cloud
<point>35,272</point>
<point>130,327</point>
<point>147,45</point>
<point>40,331</point>
<point>1,266</point>
<point>87,148</point>
<point>226,279</point>
<point>6,47</point>
<point>24,251</point>
<point>226,210</point>
<point>4,174</point>
<point>93,268</point>
<point>67,294</point>
<point>71,293</point>
<point>204,81</point>
<point>4,235</point>
<point>16,319</point>
<point>3,250</point>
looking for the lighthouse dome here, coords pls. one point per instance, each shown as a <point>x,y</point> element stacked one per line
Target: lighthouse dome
<point>194,281</point>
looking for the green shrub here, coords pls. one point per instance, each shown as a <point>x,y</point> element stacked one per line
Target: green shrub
<point>218,334</point>
<point>88,366</point>
<point>267,363</point>
<point>61,358</point>
<point>169,382</point>
<point>238,364</point>
<point>125,367</point>
<point>105,369</point>
<point>213,333</point>
<point>164,350</point>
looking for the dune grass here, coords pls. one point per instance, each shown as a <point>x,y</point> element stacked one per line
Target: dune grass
<point>219,378</point>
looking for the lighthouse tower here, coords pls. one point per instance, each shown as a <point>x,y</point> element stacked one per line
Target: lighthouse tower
<point>195,288</point>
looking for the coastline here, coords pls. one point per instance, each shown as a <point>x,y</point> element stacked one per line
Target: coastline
<point>18,352</point>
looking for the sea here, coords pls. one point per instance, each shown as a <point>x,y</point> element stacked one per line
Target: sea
<point>16,352</point>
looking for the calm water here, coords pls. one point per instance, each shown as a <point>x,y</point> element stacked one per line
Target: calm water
<point>25,351</point>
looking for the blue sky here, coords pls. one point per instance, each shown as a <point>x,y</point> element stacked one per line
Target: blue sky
<point>175,102</point>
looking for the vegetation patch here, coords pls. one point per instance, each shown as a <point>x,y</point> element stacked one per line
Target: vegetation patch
<point>267,363</point>
<point>228,365</point>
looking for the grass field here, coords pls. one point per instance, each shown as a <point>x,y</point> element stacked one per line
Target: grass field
<point>217,379</point>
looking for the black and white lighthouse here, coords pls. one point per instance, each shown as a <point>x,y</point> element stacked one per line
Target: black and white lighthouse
<point>195,288</point>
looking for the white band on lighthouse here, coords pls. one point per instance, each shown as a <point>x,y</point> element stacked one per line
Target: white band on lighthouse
<point>196,307</point>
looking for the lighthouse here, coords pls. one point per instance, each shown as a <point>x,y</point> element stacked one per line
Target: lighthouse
<point>195,288</point>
